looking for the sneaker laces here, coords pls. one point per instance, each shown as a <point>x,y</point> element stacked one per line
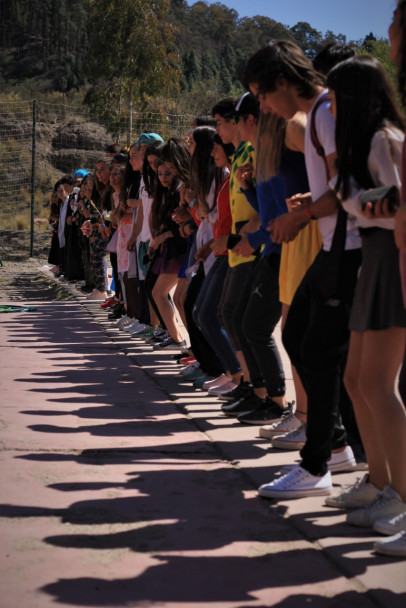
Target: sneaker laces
<point>288,411</point>
<point>348,488</point>
<point>293,476</point>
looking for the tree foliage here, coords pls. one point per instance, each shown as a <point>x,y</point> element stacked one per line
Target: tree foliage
<point>141,49</point>
<point>131,54</point>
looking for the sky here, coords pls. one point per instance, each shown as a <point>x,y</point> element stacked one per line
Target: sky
<point>353,18</point>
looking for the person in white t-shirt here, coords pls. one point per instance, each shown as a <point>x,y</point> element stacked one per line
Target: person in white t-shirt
<point>316,332</point>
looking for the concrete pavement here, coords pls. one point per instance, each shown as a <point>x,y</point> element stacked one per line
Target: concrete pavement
<point>123,486</point>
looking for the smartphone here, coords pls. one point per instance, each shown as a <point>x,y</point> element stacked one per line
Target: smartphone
<point>390,193</point>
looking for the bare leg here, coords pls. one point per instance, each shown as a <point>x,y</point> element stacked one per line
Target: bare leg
<point>179,298</point>
<point>162,287</point>
<point>382,356</point>
<point>152,315</point>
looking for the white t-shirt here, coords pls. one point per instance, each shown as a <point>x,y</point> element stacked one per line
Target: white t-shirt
<point>384,164</point>
<point>316,172</point>
<point>145,233</point>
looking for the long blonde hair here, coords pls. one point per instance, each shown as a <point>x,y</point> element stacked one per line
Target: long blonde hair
<point>268,146</point>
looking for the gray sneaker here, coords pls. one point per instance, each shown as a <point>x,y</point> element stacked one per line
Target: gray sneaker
<point>360,494</point>
<point>395,546</point>
<point>294,440</point>
<point>391,526</point>
<point>386,505</point>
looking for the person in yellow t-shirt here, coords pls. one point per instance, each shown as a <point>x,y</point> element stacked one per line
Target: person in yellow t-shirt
<point>227,114</point>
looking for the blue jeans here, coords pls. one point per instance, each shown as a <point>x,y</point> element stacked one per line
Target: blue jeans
<point>206,317</point>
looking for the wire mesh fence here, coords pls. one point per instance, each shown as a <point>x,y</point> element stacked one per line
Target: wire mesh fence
<point>40,142</point>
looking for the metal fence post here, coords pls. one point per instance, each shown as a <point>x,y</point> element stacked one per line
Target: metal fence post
<point>34,124</point>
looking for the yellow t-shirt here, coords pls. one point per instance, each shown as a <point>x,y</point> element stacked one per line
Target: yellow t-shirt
<point>241,210</point>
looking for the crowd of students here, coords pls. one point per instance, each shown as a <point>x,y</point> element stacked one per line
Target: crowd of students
<point>267,210</point>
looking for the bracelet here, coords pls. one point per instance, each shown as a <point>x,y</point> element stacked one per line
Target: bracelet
<point>309,213</point>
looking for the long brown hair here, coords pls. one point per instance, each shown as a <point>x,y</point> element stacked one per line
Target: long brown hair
<point>268,146</point>
<point>365,103</point>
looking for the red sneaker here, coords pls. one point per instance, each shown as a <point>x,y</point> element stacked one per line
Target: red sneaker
<point>110,302</point>
<point>187,360</point>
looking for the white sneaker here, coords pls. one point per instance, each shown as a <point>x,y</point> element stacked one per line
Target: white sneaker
<point>294,440</point>
<point>360,494</point>
<point>342,461</point>
<point>188,369</point>
<point>286,425</point>
<point>297,483</point>
<point>385,506</point>
<point>217,390</point>
<point>133,323</point>
<point>219,381</point>
<point>139,328</point>
<point>395,546</point>
<point>391,526</point>
<point>121,322</point>
<point>339,461</point>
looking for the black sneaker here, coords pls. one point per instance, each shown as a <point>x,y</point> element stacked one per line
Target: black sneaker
<point>117,312</point>
<point>86,289</point>
<point>266,414</point>
<point>170,344</point>
<point>242,406</point>
<point>242,390</point>
<point>153,340</point>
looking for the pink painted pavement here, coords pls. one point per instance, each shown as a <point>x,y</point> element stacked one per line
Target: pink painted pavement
<point>121,486</point>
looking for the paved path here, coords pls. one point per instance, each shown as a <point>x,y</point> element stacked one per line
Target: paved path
<point>123,486</point>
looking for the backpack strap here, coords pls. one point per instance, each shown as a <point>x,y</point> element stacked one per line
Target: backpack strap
<point>313,133</point>
<point>329,284</point>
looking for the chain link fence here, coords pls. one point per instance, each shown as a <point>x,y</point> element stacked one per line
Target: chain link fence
<point>40,142</point>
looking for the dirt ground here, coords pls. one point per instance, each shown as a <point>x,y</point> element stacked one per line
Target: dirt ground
<point>21,277</point>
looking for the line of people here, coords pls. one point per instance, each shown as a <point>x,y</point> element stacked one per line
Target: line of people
<point>258,217</point>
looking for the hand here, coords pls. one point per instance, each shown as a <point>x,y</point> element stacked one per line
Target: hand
<point>284,228</point>
<point>243,247</point>
<point>158,240</point>
<point>298,200</point>
<point>185,230</point>
<point>400,228</point>
<point>131,243</point>
<point>203,253</point>
<point>181,214</point>
<point>200,215</point>
<point>244,175</point>
<point>123,205</point>
<point>378,211</point>
<point>104,231</point>
<point>69,220</point>
<point>220,245</point>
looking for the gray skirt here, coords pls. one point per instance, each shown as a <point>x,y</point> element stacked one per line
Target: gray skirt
<point>378,301</point>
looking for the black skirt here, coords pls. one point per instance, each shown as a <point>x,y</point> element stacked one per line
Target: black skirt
<point>378,301</point>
